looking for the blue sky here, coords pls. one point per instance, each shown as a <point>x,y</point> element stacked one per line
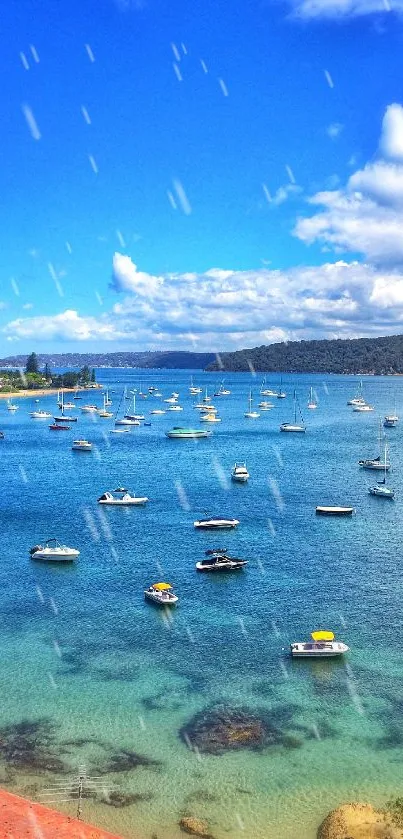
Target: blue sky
<point>213,175</point>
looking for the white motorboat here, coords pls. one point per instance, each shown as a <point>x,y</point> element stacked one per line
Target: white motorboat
<point>119,431</point>
<point>121,498</point>
<point>391,420</point>
<point>175,408</point>
<point>215,522</point>
<point>69,405</point>
<point>40,415</point>
<point>294,426</point>
<point>334,511</point>
<point>358,399</point>
<point>11,406</point>
<point>89,409</point>
<point>193,389</point>
<point>209,416</point>
<point>81,446</point>
<point>179,433</point>
<point>53,551</point>
<point>363,408</point>
<point>240,473</point>
<point>171,400</point>
<point>220,560</point>
<point>380,489</point>
<point>377,463</point>
<point>158,411</point>
<point>323,645</point>
<point>162,594</point>
<point>249,414</point>
<point>265,406</point>
<point>208,409</point>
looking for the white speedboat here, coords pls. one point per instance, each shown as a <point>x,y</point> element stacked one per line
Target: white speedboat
<point>53,551</point>
<point>162,594</point>
<point>363,408</point>
<point>265,406</point>
<point>240,473</point>
<point>81,446</point>
<point>208,409</point>
<point>249,414</point>
<point>215,523</point>
<point>158,412</point>
<point>122,499</point>
<point>69,405</point>
<point>209,416</point>
<point>175,408</point>
<point>219,560</point>
<point>294,426</point>
<point>178,433</point>
<point>40,415</point>
<point>334,511</point>
<point>119,431</point>
<point>323,645</point>
<point>89,409</point>
<point>171,400</point>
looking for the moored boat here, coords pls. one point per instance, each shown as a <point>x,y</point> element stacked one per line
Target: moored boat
<point>215,523</point>
<point>296,427</point>
<point>162,594</point>
<point>240,473</point>
<point>179,433</point>
<point>220,560</point>
<point>323,645</point>
<point>40,415</point>
<point>81,446</point>
<point>57,426</point>
<point>334,511</point>
<point>53,551</point>
<point>121,498</point>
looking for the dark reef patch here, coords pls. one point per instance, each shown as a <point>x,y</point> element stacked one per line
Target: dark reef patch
<point>126,761</point>
<point>221,728</point>
<point>30,747</point>
<point>118,798</point>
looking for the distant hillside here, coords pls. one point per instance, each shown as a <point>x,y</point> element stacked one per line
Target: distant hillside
<point>169,360</point>
<point>379,356</point>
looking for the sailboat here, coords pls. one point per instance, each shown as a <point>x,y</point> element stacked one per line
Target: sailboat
<point>281,393</point>
<point>358,399</point>
<point>376,463</point>
<point>294,426</point>
<point>108,402</point>
<point>102,411</point>
<point>312,403</point>
<point>380,489</point>
<point>391,420</point>
<point>134,416</point>
<point>11,406</point>
<point>222,391</point>
<point>193,390</point>
<point>249,414</point>
<point>124,420</point>
<point>266,391</point>
<point>62,416</point>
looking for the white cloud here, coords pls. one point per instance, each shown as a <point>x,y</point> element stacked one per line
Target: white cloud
<point>391,143</point>
<point>366,215</point>
<point>224,309</point>
<point>126,277</point>
<point>343,9</point>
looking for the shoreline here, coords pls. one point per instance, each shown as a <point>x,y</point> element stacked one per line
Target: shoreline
<point>51,391</point>
<point>22,817</point>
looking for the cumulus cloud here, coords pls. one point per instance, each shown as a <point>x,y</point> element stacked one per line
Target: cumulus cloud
<point>126,277</point>
<point>366,215</point>
<point>343,9</point>
<point>224,309</point>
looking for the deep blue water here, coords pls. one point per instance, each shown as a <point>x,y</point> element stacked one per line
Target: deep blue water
<point>82,649</point>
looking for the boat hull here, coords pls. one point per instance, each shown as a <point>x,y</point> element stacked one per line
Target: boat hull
<point>293,429</point>
<point>216,524</point>
<point>309,650</point>
<point>334,511</point>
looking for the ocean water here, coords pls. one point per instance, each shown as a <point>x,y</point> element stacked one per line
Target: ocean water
<point>92,675</point>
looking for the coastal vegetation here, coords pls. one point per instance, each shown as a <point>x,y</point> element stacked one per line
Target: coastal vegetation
<point>179,360</point>
<point>12,381</point>
<point>377,356</point>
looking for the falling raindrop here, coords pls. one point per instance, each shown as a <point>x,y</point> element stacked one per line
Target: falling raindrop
<point>184,49</point>
<point>183,499</point>
<point>328,78</point>
<point>204,66</point>
<point>120,239</point>
<point>275,491</point>
<point>93,164</point>
<point>69,248</point>
<point>267,193</point>
<point>57,649</point>
<point>99,298</point>
<point>34,53</point>
<point>24,61</point>
<point>175,52</point>
<point>86,115</point>
<point>182,197</point>
<point>31,121</point>
<point>40,594</point>
<point>223,87</point>
<point>14,287</point>
<point>177,72</point>
<point>171,200</point>
<point>54,685</point>
<point>89,53</point>
<point>290,173</point>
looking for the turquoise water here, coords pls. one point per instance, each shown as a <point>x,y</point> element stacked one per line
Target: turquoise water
<point>101,678</point>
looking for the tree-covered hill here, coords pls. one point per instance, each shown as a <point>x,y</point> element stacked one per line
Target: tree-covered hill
<point>380,356</point>
<point>155,360</point>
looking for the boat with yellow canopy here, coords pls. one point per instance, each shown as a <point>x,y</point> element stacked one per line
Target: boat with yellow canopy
<point>161,593</point>
<point>323,645</point>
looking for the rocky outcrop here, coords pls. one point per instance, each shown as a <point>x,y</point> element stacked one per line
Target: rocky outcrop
<point>219,728</point>
<point>195,827</point>
<point>359,821</point>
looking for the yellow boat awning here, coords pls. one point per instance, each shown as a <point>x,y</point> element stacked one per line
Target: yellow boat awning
<point>322,635</point>
<point>162,586</point>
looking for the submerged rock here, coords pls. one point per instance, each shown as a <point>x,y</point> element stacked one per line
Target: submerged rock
<point>195,827</point>
<point>219,729</point>
<point>358,821</point>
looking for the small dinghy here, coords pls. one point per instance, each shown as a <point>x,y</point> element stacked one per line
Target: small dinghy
<point>323,645</point>
<point>162,594</point>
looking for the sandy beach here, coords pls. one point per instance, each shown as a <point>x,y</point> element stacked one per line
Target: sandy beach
<point>50,391</point>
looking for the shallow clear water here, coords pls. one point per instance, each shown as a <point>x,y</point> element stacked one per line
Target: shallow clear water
<point>104,672</point>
